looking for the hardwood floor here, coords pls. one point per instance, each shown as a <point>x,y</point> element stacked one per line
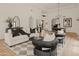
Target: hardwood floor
<point>4,51</point>
<point>72,35</point>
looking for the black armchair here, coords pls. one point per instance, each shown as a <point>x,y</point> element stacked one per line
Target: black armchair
<point>39,44</point>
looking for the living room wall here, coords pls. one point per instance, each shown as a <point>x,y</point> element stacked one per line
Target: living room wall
<point>24,11</point>
<point>21,10</point>
<point>68,11</point>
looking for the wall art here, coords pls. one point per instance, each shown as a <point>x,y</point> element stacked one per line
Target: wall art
<point>67,22</point>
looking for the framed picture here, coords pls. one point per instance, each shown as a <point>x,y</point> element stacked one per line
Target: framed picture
<point>67,22</point>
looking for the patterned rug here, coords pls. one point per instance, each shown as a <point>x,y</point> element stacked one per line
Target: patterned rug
<point>24,49</point>
<point>69,48</point>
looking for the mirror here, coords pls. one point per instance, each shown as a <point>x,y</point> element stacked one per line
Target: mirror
<point>16,21</point>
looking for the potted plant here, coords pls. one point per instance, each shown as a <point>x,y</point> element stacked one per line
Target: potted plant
<point>9,21</point>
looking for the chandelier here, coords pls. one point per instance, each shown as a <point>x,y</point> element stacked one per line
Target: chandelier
<point>57,17</point>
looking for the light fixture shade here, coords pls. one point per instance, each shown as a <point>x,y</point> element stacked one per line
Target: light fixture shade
<point>57,19</point>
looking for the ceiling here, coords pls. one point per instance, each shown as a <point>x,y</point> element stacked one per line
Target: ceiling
<point>39,5</point>
<point>55,5</point>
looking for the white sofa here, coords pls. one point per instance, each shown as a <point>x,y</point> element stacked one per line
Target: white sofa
<point>10,40</point>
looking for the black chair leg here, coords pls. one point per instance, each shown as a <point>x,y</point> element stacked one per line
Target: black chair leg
<point>61,41</point>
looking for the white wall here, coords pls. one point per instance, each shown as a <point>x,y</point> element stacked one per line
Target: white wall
<point>69,11</point>
<point>23,11</point>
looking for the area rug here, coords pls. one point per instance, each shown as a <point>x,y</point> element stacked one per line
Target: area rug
<point>24,49</point>
<point>70,47</point>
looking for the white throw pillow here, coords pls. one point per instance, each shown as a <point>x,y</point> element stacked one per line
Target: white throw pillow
<point>48,37</point>
<point>61,31</point>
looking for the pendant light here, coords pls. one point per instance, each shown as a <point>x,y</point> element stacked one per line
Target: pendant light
<point>58,15</point>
